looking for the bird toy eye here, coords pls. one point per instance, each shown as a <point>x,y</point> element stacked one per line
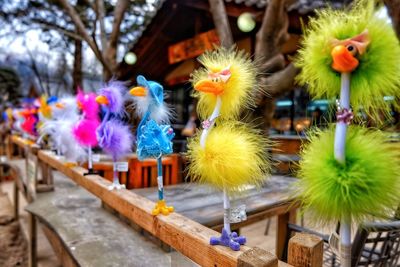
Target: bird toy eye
<point>352,49</point>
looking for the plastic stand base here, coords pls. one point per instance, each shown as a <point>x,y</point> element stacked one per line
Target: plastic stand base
<point>116,186</point>
<point>228,240</point>
<point>90,172</point>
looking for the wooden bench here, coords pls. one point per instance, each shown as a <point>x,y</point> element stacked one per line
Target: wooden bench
<point>84,234</point>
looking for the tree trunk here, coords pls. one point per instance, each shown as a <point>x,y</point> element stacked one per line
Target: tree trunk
<point>221,22</point>
<point>269,40</point>
<point>393,7</point>
<point>77,71</point>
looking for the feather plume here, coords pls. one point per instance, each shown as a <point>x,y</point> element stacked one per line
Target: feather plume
<point>234,155</point>
<point>115,138</point>
<point>367,185</point>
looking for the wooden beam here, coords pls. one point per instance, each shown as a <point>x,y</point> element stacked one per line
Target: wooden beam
<point>282,232</point>
<point>32,240</point>
<point>305,250</point>
<point>186,236</point>
<point>257,257</point>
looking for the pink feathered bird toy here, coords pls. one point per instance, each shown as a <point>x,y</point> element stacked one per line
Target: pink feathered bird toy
<point>85,130</point>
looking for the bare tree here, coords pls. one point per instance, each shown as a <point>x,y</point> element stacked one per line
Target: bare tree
<point>102,24</point>
<point>220,18</point>
<point>393,7</point>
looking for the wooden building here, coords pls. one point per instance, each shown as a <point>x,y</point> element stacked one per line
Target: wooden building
<point>183,29</point>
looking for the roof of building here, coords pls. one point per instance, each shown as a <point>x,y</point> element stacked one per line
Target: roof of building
<point>302,6</point>
<point>177,20</point>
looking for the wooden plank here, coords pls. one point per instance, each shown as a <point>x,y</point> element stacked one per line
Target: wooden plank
<point>184,235</point>
<point>306,250</point>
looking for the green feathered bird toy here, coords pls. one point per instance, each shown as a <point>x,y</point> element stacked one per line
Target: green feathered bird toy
<point>350,173</point>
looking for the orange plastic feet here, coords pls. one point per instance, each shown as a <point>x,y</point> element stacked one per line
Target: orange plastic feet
<point>161,207</point>
<point>70,164</point>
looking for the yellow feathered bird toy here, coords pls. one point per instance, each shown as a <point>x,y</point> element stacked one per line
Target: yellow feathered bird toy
<point>230,154</point>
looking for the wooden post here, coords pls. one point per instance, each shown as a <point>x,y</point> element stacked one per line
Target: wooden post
<point>16,199</point>
<point>32,241</point>
<point>305,250</point>
<point>282,233</point>
<point>257,257</point>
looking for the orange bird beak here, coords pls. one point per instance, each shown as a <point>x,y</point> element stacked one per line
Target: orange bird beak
<point>138,91</point>
<point>343,59</point>
<point>345,52</point>
<point>102,100</point>
<point>79,104</point>
<point>208,86</point>
<point>60,105</point>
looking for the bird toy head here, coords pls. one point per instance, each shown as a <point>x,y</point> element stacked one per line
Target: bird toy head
<point>87,103</point>
<point>111,96</point>
<point>149,96</point>
<point>345,53</point>
<point>228,74</point>
<point>45,106</point>
<point>64,108</point>
<point>357,42</point>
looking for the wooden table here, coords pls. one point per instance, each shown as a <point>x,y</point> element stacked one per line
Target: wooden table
<point>201,204</point>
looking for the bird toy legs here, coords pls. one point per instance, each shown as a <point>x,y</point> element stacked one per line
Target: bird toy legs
<point>340,148</point>
<point>228,238</point>
<point>90,163</point>
<point>161,206</point>
<point>116,184</point>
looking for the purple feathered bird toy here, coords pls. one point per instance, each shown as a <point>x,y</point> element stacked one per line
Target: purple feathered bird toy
<point>113,135</point>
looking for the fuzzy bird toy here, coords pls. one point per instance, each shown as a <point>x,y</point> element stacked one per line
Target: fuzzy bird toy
<point>45,113</point>
<point>30,120</point>
<point>113,135</point>
<point>349,173</point>
<point>230,154</point>
<point>154,134</point>
<point>59,128</point>
<point>85,130</point>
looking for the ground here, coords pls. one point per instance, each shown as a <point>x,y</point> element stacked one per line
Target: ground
<point>13,245</point>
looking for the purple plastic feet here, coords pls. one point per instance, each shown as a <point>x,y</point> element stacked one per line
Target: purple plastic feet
<point>233,240</point>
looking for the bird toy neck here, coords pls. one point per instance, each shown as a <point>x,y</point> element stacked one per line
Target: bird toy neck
<point>344,116</point>
<point>105,118</point>
<point>208,124</point>
<point>343,121</point>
